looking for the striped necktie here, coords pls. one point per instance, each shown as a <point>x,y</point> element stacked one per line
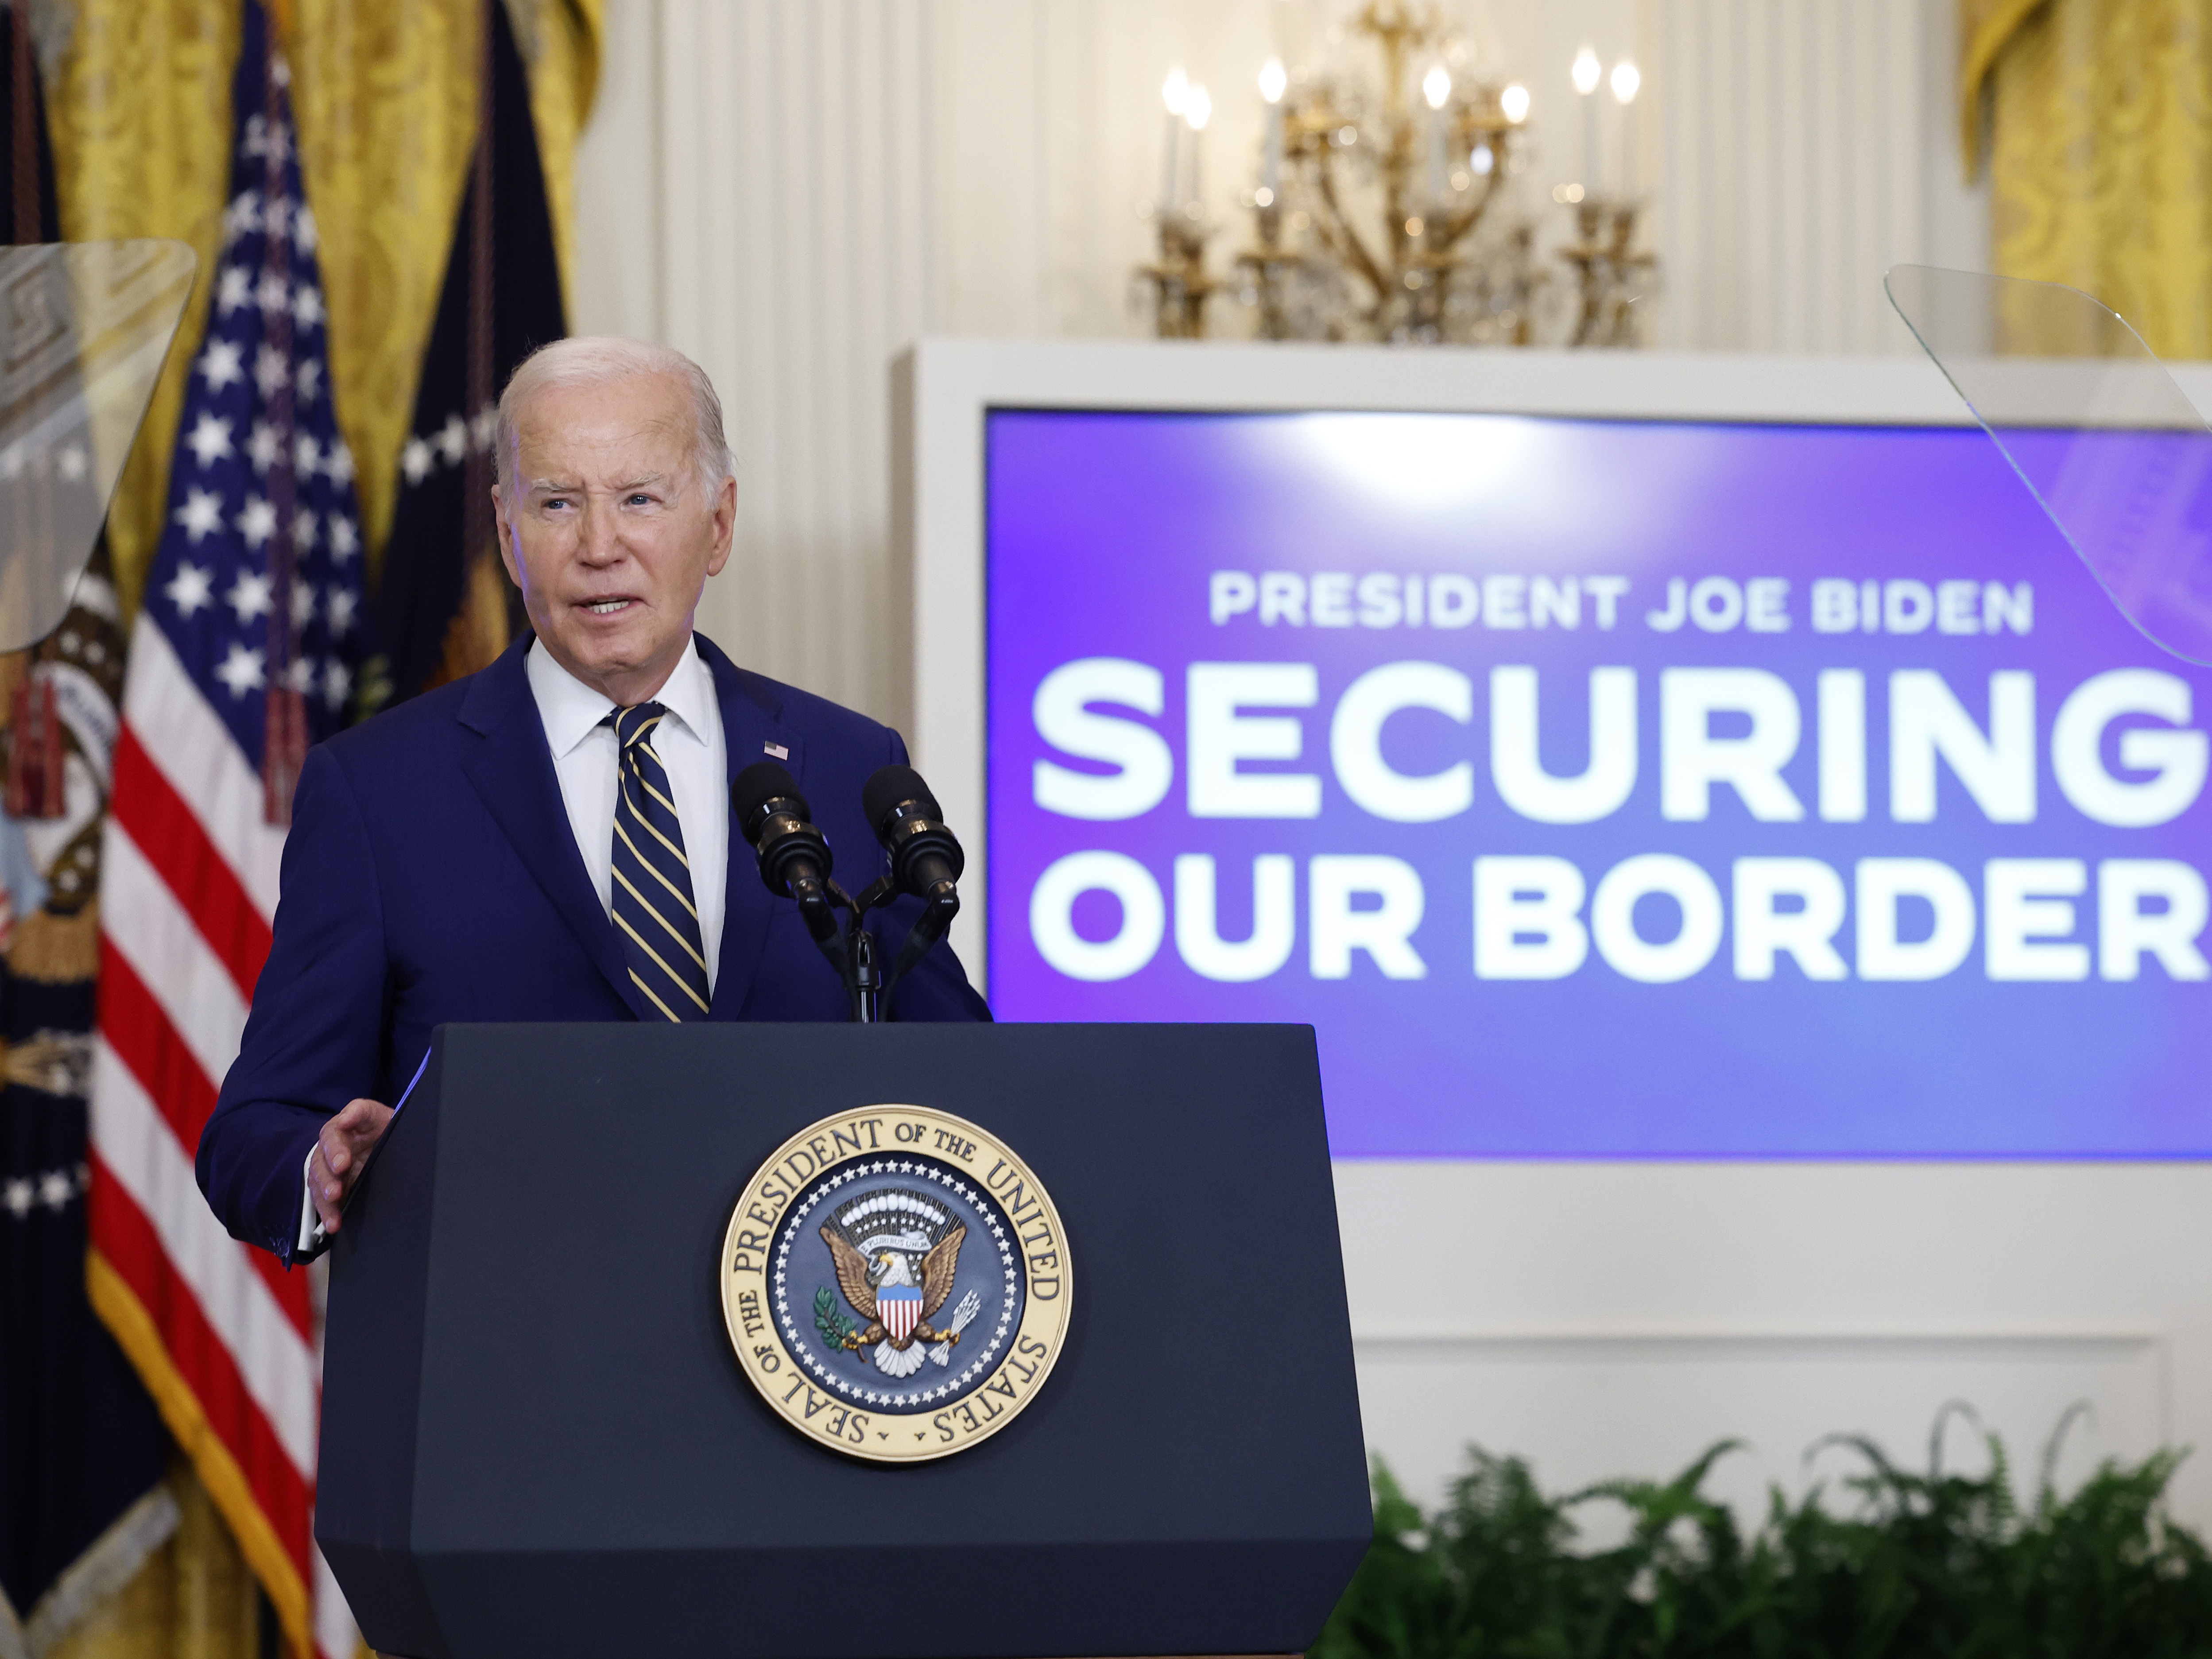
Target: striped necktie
<point>652,908</point>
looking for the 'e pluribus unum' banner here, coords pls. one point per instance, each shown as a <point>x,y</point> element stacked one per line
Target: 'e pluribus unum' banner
<point>1599,788</point>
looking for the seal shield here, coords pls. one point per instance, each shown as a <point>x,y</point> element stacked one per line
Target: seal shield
<point>895,1283</point>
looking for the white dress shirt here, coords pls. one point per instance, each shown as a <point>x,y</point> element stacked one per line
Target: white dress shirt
<point>585,760</point>
<point>689,744</point>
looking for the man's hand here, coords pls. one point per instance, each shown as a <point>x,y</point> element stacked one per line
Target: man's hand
<point>341,1151</point>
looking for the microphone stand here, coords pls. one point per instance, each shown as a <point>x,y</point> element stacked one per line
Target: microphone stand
<point>868,987</point>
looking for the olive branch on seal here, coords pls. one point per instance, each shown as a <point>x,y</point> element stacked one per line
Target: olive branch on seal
<point>828,1321</point>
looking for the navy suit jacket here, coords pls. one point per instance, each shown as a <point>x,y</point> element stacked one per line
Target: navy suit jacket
<point>430,876</point>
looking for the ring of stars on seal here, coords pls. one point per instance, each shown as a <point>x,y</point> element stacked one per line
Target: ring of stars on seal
<point>895,1283</point>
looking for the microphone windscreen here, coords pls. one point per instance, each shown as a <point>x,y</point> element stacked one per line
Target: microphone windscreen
<point>893,787</point>
<point>756,786</point>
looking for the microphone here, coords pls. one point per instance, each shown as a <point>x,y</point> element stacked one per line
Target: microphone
<point>794,856</point>
<point>925,857</point>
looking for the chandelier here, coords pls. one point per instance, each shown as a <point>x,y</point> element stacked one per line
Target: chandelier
<point>1386,206</point>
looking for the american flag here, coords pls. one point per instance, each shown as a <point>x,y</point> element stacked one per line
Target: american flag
<point>244,651</point>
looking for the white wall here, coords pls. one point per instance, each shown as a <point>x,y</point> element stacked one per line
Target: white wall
<point>793,192</point>
<point>1610,1319</point>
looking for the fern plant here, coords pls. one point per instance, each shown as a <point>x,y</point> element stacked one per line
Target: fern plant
<point>1897,1566</point>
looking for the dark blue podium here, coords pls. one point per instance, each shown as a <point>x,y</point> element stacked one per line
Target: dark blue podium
<point>537,1440</point>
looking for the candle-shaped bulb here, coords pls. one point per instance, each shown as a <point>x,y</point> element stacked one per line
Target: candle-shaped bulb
<point>1274,80</point>
<point>1625,80</point>
<point>1197,108</point>
<point>1175,91</point>
<point>1514,100</point>
<point>1435,86</point>
<point>1586,71</point>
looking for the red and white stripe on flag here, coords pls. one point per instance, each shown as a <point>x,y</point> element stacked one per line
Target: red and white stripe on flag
<point>224,1337</point>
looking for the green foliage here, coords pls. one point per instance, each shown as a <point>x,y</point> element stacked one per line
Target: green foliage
<point>1921,1567</point>
<point>828,1321</point>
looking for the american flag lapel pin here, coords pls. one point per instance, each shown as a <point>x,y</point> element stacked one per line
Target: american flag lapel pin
<point>776,750</point>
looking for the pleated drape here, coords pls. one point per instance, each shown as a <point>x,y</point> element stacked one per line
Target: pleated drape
<point>2099,116</point>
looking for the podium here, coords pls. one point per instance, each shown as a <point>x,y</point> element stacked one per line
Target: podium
<point>538,1438</point>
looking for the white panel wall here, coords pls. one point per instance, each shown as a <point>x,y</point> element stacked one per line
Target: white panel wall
<point>1611,1319</point>
<point>793,192</point>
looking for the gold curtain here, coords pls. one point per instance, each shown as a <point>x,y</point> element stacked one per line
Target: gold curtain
<point>2100,120</point>
<point>384,93</point>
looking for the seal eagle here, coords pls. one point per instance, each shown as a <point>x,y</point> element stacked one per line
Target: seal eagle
<point>860,1277</point>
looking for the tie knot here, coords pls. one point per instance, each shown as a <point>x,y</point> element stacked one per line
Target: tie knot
<point>631,725</point>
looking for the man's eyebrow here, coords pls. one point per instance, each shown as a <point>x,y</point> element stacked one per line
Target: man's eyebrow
<point>569,487</point>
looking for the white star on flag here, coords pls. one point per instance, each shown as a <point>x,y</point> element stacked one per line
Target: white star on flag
<point>345,540</point>
<point>257,523</point>
<point>261,446</point>
<point>414,460</point>
<point>339,608</point>
<point>210,440</point>
<point>273,294</point>
<point>338,467</point>
<point>222,364</point>
<point>248,596</point>
<point>261,138</point>
<point>303,603</point>
<point>303,228</point>
<point>303,531</point>
<point>337,681</point>
<point>241,672</point>
<point>454,441</point>
<point>309,380</point>
<point>191,588</point>
<point>234,289</point>
<point>242,216</point>
<point>201,513</point>
<point>277,216</point>
<point>270,371</point>
<point>307,306</point>
<point>300,676</point>
<point>305,455</point>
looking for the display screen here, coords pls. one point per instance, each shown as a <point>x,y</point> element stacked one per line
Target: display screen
<point>1599,788</point>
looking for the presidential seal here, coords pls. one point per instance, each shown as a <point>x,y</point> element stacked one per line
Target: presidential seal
<point>895,1283</point>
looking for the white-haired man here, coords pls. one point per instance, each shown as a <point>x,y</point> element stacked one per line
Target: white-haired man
<point>549,839</point>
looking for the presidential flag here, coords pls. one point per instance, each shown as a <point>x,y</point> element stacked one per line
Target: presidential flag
<point>444,607</point>
<point>244,651</point>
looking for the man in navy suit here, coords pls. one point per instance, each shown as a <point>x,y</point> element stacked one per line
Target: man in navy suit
<point>550,839</point>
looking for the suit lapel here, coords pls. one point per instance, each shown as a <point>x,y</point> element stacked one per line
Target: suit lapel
<point>751,730</point>
<point>512,770</point>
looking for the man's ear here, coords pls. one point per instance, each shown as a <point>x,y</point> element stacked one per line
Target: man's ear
<point>726,525</point>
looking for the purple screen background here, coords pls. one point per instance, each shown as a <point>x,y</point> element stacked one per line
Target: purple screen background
<point>1102,529</point>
